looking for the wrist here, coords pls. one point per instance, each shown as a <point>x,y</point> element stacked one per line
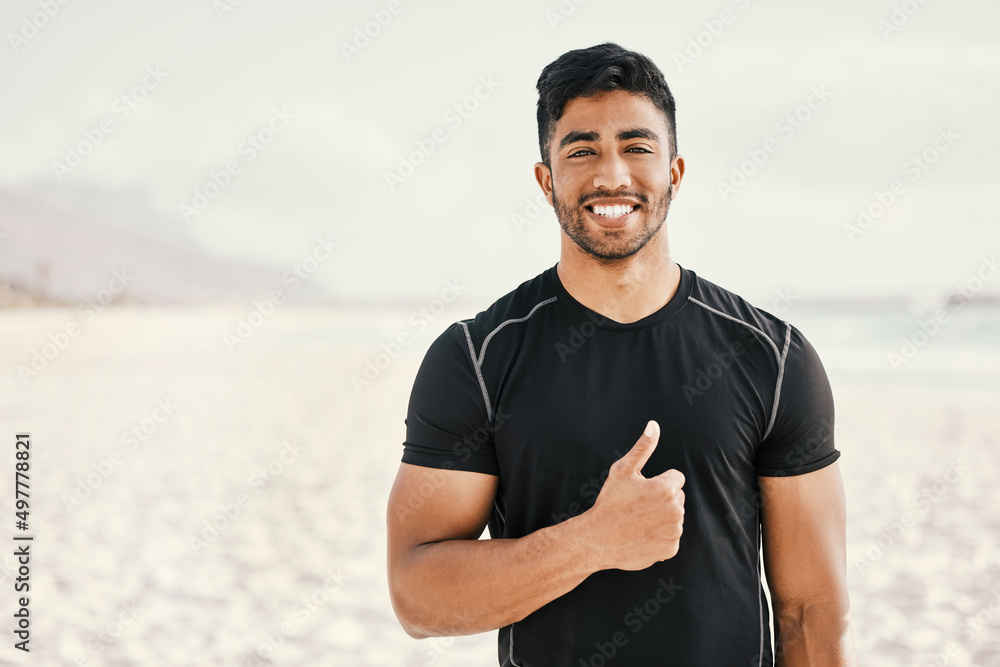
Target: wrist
<point>580,535</point>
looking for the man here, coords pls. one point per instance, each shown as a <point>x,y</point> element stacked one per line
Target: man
<point>631,433</point>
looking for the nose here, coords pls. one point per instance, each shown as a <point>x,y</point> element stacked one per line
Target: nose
<point>612,172</point>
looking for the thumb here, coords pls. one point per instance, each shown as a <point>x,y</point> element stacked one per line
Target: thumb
<point>636,457</point>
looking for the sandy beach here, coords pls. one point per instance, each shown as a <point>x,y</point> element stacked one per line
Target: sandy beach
<point>194,504</point>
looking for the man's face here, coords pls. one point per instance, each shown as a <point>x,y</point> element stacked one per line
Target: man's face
<point>612,177</point>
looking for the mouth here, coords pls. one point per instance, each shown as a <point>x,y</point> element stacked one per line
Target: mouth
<point>612,215</point>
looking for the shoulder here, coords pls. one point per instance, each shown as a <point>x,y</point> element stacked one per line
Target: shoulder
<point>501,317</point>
<point>732,310</point>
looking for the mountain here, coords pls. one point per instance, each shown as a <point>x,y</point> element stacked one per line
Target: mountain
<point>67,245</point>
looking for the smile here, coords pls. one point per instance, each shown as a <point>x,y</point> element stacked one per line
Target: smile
<point>616,211</point>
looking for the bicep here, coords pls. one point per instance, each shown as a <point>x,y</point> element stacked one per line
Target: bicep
<point>434,504</point>
<point>804,536</point>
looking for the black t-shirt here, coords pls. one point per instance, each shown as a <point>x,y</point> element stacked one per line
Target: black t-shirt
<point>547,394</point>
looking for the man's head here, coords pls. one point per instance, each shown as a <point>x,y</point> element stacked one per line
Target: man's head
<point>608,141</point>
<point>601,68</point>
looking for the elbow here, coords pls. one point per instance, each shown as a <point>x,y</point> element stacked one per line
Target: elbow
<point>407,611</point>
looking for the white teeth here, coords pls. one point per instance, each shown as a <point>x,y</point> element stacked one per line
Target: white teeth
<point>615,211</point>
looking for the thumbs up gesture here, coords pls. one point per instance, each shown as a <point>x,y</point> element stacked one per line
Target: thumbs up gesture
<point>638,521</point>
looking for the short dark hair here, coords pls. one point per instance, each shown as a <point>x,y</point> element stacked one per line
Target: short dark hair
<point>586,72</point>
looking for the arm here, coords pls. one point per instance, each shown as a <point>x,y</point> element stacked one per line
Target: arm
<point>445,581</point>
<point>803,523</point>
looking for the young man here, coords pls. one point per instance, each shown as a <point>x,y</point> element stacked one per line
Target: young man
<point>631,433</point>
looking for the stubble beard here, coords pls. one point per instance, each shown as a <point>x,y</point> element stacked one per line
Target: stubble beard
<point>611,245</point>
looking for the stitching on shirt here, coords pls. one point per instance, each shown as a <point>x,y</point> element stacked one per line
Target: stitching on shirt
<point>760,601</point>
<point>781,374</point>
<point>778,356</point>
<point>511,635</point>
<point>477,362</point>
<point>770,342</point>
<point>482,353</point>
<point>479,373</point>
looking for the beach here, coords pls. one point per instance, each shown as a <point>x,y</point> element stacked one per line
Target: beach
<point>200,501</point>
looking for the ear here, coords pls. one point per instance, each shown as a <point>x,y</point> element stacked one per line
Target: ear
<point>544,177</point>
<point>676,174</point>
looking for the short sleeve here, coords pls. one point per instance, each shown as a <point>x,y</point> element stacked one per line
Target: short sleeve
<point>447,423</point>
<point>800,438</point>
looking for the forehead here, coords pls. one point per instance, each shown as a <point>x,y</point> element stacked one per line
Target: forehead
<point>608,112</point>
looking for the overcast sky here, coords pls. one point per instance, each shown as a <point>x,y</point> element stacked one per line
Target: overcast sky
<point>884,86</point>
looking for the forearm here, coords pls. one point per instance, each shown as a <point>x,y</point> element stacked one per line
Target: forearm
<point>461,587</point>
<point>814,635</point>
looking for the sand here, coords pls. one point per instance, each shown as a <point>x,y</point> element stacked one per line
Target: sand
<point>246,526</point>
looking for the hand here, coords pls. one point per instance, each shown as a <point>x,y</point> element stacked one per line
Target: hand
<point>638,521</point>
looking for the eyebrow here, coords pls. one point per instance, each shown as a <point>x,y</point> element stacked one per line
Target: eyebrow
<point>624,135</point>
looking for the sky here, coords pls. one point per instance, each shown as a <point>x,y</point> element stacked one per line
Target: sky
<point>833,149</point>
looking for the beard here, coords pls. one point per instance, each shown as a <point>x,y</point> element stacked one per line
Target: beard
<point>610,245</point>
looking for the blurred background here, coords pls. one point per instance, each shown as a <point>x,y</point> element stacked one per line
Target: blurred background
<point>229,231</point>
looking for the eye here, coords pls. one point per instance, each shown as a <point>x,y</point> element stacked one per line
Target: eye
<point>639,148</point>
<point>582,151</point>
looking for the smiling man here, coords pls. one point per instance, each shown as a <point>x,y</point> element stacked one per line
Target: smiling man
<point>632,434</point>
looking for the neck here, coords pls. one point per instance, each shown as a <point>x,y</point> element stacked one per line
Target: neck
<point>623,290</point>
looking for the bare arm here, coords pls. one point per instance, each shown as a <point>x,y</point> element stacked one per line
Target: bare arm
<point>804,525</point>
<point>445,581</point>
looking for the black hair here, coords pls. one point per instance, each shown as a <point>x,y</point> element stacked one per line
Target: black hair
<point>586,72</point>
